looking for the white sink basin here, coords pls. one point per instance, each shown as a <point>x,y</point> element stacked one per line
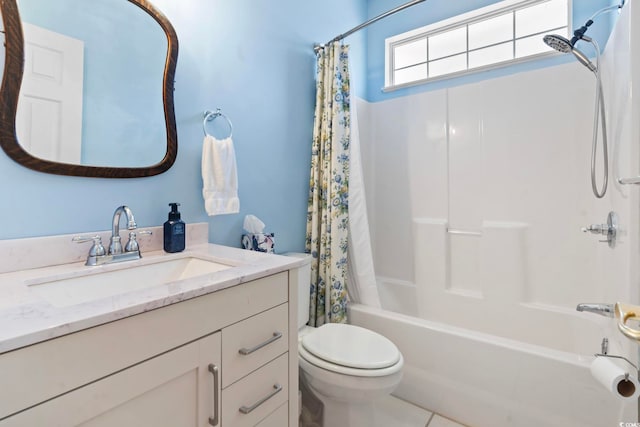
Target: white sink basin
<point>72,289</point>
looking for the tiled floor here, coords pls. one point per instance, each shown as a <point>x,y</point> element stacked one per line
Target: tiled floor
<point>398,413</point>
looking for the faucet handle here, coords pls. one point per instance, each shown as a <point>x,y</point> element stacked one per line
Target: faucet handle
<point>96,249</point>
<point>610,229</point>
<point>132,244</point>
<point>596,229</point>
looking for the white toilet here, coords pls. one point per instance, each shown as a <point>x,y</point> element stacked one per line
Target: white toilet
<point>346,367</point>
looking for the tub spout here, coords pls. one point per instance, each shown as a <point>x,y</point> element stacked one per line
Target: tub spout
<point>606,310</point>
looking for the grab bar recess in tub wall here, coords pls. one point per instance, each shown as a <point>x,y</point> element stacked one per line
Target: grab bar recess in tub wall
<point>629,181</point>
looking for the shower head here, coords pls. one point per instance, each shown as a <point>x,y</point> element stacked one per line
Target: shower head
<point>564,45</point>
<point>557,42</point>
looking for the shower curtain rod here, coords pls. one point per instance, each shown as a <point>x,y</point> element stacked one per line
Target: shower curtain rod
<point>369,22</point>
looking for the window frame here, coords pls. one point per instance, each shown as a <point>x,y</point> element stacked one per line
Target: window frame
<point>459,21</point>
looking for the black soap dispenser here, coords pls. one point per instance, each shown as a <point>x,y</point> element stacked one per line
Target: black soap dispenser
<point>174,231</point>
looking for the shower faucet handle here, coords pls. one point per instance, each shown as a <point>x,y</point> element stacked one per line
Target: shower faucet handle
<point>602,229</point>
<point>610,229</point>
<point>596,229</point>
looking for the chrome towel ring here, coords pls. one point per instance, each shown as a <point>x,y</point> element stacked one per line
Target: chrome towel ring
<point>212,115</point>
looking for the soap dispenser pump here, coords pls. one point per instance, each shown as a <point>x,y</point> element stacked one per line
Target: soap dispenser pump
<point>174,231</point>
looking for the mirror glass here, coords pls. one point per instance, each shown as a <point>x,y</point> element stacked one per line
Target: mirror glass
<point>92,89</point>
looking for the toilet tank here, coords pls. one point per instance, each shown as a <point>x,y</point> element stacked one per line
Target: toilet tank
<point>304,287</point>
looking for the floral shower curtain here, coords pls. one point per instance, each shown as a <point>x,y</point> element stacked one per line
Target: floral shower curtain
<point>327,215</point>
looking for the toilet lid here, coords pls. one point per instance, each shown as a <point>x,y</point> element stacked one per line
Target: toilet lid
<point>351,346</point>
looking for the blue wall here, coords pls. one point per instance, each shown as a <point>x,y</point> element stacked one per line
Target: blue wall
<point>436,10</point>
<point>255,61</point>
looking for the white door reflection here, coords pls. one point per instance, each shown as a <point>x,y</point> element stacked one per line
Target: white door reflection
<point>49,115</point>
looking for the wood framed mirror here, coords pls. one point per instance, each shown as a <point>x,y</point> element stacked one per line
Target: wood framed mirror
<point>117,117</point>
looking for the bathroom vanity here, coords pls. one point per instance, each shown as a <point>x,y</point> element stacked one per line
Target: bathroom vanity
<point>214,344</point>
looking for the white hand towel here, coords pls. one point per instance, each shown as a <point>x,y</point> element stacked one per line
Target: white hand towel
<point>219,176</point>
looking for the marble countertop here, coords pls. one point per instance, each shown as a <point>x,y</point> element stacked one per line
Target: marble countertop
<point>26,317</point>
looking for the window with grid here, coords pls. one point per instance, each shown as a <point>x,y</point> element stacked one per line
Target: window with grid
<point>506,32</point>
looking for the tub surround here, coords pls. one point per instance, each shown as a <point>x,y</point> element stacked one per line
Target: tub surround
<point>28,318</point>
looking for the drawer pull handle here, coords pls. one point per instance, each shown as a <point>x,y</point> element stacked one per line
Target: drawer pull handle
<point>247,351</point>
<point>277,388</point>
<point>214,370</point>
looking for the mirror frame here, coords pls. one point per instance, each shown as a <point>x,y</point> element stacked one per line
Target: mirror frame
<point>10,90</point>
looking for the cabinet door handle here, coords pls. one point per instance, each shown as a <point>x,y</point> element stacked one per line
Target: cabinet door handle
<point>277,388</point>
<point>246,351</point>
<point>214,370</point>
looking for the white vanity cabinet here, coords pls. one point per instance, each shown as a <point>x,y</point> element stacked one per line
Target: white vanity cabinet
<point>172,389</point>
<point>224,359</point>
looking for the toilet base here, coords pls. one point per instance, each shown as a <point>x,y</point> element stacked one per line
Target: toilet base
<point>326,412</point>
<point>351,402</point>
<point>311,408</point>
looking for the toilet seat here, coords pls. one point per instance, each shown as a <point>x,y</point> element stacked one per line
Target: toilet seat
<point>350,350</point>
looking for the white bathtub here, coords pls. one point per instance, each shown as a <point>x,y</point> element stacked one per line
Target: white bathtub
<point>483,380</point>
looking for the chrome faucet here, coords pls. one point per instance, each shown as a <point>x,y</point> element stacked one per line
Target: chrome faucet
<point>98,255</point>
<point>607,310</point>
<point>115,246</point>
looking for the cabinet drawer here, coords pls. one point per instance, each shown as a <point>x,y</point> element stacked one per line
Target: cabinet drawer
<point>251,343</point>
<point>250,400</point>
<point>277,418</point>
